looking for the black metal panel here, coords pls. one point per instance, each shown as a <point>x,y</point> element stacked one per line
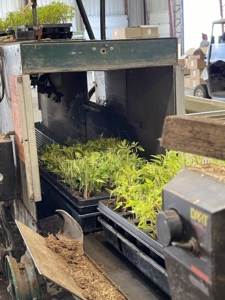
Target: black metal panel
<point>137,102</point>
<point>7,171</point>
<point>150,98</point>
<point>142,97</point>
<point>67,118</point>
<point>183,284</point>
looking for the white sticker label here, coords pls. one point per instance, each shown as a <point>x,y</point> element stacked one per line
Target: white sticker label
<point>192,63</point>
<point>115,32</point>
<point>194,72</point>
<point>149,31</point>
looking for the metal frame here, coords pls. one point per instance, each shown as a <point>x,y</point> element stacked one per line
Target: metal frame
<point>96,55</point>
<point>176,21</point>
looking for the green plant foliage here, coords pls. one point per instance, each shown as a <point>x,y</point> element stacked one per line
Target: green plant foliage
<point>92,167</point>
<point>2,25</point>
<point>114,165</point>
<point>139,190</point>
<point>54,13</point>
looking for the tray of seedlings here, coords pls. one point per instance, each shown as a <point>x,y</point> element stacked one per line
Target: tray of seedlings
<point>79,175</point>
<point>129,220</point>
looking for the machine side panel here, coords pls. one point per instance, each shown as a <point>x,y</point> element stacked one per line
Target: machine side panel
<point>218,242</point>
<point>52,57</point>
<point>184,285</point>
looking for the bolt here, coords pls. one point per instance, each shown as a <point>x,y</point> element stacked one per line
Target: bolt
<point>111,48</point>
<point>1,177</point>
<point>19,79</point>
<point>94,49</point>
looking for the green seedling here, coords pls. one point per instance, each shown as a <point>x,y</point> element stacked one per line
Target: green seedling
<point>54,13</point>
<point>91,168</point>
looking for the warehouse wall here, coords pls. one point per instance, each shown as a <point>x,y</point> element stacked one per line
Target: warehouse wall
<point>10,6</point>
<point>158,14</point>
<point>115,7</point>
<point>136,13</point>
<point>115,16</point>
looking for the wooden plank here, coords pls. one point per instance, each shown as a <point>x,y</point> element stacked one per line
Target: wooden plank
<point>196,135</point>
<point>24,139</point>
<point>180,99</point>
<point>220,114</point>
<point>28,105</point>
<point>195,104</point>
<point>48,263</point>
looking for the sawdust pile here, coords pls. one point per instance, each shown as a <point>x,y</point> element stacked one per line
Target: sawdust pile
<point>213,170</point>
<point>94,285</point>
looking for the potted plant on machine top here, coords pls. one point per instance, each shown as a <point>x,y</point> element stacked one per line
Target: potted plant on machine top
<point>53,17</point>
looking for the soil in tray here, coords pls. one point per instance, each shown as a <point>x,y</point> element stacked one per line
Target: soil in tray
<point>74,192</point>
<point>80,196</point>
<point>91,280</point>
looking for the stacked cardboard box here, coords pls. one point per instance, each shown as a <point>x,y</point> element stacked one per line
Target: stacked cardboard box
<point>195,64</point>
<point>140,32</point>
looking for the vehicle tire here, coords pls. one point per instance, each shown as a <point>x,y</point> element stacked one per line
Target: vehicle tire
<point>201,91</point>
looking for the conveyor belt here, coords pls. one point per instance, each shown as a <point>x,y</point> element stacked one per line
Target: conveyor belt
<point>132,282</point>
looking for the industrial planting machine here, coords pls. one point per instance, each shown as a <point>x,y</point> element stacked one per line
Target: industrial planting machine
<point>143,85</point>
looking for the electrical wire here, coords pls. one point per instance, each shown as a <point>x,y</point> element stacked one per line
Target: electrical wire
<point>2,81</point>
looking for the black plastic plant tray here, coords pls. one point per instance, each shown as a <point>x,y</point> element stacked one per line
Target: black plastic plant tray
<point>128,229</point>
<point>58,189</point>
<point>53,200</point>
<point>139,259</point>
<point>54,31</point>
<point>57,35</point>
<point>63,27</point>
<point>3,33</point>
<point>88,222</point>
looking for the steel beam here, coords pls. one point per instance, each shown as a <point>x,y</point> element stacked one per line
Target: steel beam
<point>176,21</point>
